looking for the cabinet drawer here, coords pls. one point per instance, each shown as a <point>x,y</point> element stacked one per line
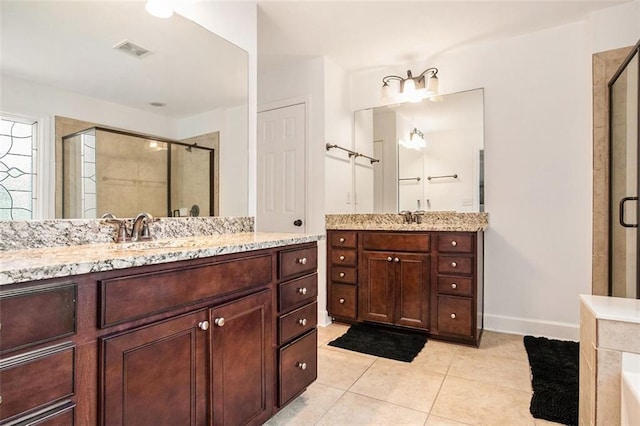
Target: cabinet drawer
<point>293,293</point>
<point>344,239</point>
<point>343,274</point>
<point>298,261</point>
<point>343,301</point>
<point>36,315</point>
<point>62,415</point>
<point>455,286</point>
<point>455,265</point>
<point>455,316</point>
<point>137,296</point>
<point>298,366</point>
<point>407,241</point>
<point>297,322</point>
<point>36,379</point>
<point>455,243</point>
<point>344,257</point>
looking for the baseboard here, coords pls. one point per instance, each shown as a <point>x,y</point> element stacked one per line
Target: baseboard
<point>323,318</point>
<point>533,327</point>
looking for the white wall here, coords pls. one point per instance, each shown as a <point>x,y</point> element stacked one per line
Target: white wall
<point>538,163</point>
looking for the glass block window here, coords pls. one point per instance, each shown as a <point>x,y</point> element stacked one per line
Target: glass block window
<point>17,168</point>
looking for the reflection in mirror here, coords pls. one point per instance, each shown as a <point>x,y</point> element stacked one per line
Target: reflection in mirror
<point>431,155</point>
<point>191,83</point>
<point>110,171</point>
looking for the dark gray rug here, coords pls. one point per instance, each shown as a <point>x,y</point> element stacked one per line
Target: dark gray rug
<point>374,340</point>
<point>554,379</point>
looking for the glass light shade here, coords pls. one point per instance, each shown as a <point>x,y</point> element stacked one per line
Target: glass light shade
<point>385,93</point>
<point>415,143</point>
<point>408,86</point>
<point>432,86</point>
<point>159,8</point>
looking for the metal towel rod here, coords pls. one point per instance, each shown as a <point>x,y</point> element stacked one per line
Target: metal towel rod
<point>352,153</point>
<point>455,176</point>
<point>418,178</point>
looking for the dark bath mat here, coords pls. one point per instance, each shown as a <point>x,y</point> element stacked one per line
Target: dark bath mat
<point>554,379</point>
<point>382,342</point>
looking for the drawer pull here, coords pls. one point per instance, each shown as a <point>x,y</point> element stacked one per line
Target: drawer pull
<point>389,259</point>
<point>302,290</point>
<point>341,301</point>
<point>301,260</point>
<point>204,325</point>
<point>454,286</point>
<point>219,322</point>
<point>454,243</point>
<point>302,322</point>
<point>454,264</point>
<point>396,260</point>
<point>302,365</point>
<point>453,316</point>
<point>341,257</point>
<point>341,240</point>
<point>341,274</point>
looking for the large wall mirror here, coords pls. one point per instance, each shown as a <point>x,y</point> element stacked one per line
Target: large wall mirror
<point>431,155</point>
<point>165,100</point>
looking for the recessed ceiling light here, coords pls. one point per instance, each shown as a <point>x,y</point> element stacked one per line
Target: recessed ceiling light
<point>132,49</point>
<point>159,8</point>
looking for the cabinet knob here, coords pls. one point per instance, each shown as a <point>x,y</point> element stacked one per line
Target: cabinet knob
<point>454,286</point>
<point>453,316</point>
<point>454,243</point>
<point>396,260</point>
<point>302,290</point>
<point>203,325</point>
<point>389,259</point>
<point>341,274</point>
<point>302,260</point>
<point>454,264</point>
<point>302,365</point>
<point>219,321</point>
<point>302,322</point>
<point>341,257</point>
<point>341,301</point>
<point>0,399</point>
<point>341,240</point>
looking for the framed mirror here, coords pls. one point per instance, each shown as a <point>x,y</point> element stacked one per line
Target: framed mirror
<point>431,155</point>
<point>68,67</point>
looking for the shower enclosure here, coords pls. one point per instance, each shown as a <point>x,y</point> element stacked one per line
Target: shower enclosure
<point>624,157</point>
<point>124,173</point>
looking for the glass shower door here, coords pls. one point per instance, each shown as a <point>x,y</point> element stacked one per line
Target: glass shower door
<point>624,279</point>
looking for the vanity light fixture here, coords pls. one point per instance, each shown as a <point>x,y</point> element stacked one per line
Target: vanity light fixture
<point>416,140</point>
<point>412,89</point>
<point>159,8</point>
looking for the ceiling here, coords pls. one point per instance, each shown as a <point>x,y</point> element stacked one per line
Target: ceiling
<point>360,35</point>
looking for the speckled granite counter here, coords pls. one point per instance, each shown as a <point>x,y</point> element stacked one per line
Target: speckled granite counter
<point>52,262</point>
<point>431,221</point>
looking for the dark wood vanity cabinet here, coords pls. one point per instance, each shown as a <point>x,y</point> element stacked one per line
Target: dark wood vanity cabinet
<point>429,281</point>
<point>199,342</point>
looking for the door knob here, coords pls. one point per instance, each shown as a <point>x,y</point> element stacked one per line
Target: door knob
<point>302,290</point>
<point>297,222</point>
<point>219,322</point>
<point>203,325</point>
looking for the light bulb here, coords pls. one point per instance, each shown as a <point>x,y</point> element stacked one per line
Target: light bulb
<point>159,8</point>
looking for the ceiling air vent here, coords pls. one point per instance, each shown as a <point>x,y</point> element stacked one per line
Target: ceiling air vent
<point>132,49</point>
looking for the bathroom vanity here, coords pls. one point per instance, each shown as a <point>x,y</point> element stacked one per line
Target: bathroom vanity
<point>209,330</point>
<point>426,276</point>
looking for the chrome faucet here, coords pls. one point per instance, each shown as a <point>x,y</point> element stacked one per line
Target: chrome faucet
<point>408,216</point>
<point>140,229</point>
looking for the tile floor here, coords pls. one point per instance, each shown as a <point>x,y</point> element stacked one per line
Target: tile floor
<point>446,384</point>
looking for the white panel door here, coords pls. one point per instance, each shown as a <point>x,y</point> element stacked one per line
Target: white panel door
<point>281,170</point>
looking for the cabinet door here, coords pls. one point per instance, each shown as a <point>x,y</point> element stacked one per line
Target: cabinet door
<point>376,293</point>
<point>412,282</point>
<point>242,361</point>
<point>156,375</point>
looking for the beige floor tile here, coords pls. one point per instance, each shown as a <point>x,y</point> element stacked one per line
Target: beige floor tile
<point>496,370</point>
<point>500,344</point>
<point>308,408</point>
<point>353,409</point>
<point>540,422</point>
<point>482,404</point>
<point>330,332</point>
<point>441,421</point>
<point>406,384</point>
<point>341,369</point>
<point>436,356</point>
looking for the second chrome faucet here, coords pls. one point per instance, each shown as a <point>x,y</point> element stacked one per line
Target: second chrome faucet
<point>140,230</point>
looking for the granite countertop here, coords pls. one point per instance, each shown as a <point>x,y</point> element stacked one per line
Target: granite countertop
<point>431,221</point>
<point>613,308</point>
<point>22,265</point>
